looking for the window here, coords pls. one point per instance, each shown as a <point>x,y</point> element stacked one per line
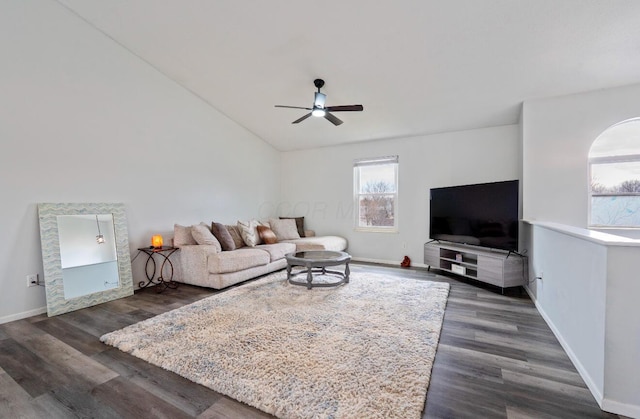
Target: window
<point>376,194</point>
<point>614,170</point>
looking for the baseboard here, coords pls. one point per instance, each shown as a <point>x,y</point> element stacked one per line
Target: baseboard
<point>387,262</point>
<point>623,409</point>
<point>23,315</point>
<point>593,388</point>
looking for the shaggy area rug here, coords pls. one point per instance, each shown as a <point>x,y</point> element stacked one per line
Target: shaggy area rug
<point>364,349</point>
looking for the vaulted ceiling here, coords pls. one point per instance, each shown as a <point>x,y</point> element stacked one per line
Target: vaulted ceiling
<point>418,67</point>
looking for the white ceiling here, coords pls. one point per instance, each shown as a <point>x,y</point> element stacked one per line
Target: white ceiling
<point>418,66</point>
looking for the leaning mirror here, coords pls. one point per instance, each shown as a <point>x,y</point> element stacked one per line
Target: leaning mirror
<point>85,254</point>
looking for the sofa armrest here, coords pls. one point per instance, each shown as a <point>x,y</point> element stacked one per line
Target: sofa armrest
<point>193,260</point>
<point>309,233</point>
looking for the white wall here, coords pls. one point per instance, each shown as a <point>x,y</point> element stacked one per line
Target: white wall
<point>622,374</point>
<point>571,296</point>
<point>557,135</point>
<point>83,120</point>
<point>588,296</point>
<point>318,184</point>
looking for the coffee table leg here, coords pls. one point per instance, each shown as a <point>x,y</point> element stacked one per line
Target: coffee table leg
<point>309,278</point>
<point>346,273</point>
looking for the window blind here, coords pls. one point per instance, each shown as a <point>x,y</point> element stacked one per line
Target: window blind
<point>374,161</point>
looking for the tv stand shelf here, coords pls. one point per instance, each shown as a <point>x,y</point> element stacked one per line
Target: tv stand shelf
<point>493,267</point>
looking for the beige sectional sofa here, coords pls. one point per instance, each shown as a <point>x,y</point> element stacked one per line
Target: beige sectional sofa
<point>203,261</point>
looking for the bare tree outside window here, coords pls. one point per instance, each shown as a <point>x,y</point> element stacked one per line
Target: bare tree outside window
<point>376,195</point>
<point>630,186</point>
<point>376,207</point>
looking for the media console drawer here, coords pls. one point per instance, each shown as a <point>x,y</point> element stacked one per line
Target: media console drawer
<point>460,270</point>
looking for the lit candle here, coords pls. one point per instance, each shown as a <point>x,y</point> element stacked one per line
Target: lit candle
<point>156,241</point>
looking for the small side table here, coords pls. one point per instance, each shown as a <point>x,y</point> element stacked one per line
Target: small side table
<point>160,281</point>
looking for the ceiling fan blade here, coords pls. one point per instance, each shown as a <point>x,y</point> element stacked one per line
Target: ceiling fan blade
<point>292,107</point>
<point>333,119</point>
<point>344,108</point>
<point>302,119</point>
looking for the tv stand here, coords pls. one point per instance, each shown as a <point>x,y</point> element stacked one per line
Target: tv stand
<point>477,263</point>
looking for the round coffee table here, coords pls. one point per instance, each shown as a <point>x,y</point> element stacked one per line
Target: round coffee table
<point>316,261</point>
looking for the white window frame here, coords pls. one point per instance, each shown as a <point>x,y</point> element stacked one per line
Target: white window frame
<point>357,164</point>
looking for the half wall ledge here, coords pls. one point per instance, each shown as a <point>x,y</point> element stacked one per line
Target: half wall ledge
<point>586,234</point>
<point>585,285</point>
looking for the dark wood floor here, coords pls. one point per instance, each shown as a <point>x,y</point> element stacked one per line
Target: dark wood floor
<point>496,359</point>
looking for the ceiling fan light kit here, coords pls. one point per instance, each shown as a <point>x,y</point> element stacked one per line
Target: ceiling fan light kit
<point>320,110</point>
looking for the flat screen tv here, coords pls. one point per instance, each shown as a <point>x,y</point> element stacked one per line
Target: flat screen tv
<point>484,214</point>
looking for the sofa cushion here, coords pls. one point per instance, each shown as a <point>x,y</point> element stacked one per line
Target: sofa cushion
<point>224,237</point>
<point>277,250</point>
<point>202,235</point>
<point>267,235</point>
<point>182,236</point>
<point>299,224</point>
<point>235,235</point>
<point>249,232</point>
<point>237,260</point>
<point>285,229</point>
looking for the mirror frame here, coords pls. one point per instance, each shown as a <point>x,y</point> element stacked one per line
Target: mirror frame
<point>54,285</point>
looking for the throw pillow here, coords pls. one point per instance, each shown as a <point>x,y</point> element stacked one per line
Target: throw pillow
<point>267,235</point>
<point>224,237</point>
<point>285,229</point>
<point>249,232</point>
<point>182,236</point>
<point>235,235</point>
<point>202,235</point>
<point>299,224</point>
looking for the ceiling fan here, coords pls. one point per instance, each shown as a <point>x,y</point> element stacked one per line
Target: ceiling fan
<point>320,110</point>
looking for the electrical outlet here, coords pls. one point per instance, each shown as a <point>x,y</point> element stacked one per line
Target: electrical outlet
<point>32,280</point>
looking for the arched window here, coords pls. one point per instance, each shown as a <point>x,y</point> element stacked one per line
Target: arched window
<point>614,171</point>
